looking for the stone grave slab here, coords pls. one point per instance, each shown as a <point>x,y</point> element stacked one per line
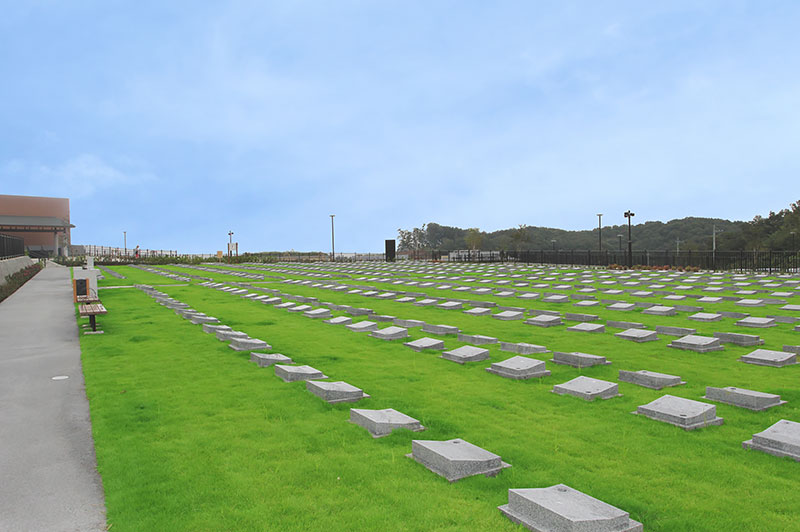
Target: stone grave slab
<point>198,320</point>
<point>758,323</point>
<point>456,459</point>
<point>587,388</point>
<point>578,360</point>
<point>750,399</point>
<point>736,315</point>
<point>624,307</point>
<point>477,339</point>
<point>522,348</point>
<point>746,340</point>
<point>540,312</point>
<point>392,332</point>
<point>300,308</point>
<point>544,320</point>
<point>466,353</point>
<point>340,320</point>
<point>784,319</point>
<point>450,305</point>
<point>405,299</point>
<point>625,324</point>
<point>509,315</point>
<point>381,423</point>
<point>697,343</point>
<point>555,298</point>
<point>781,439</point>
<point>408,324</point>
<point>683,413</point>
<point>650,379</point>
<point>560,508</point>
<point>478,311</point>
<point>212,328</point>
<point>297,373</point>
<point>528,295</point>
<point>586,303</point>
<point>792,349</point>
<point>638,335</point>
<point>271,301</point>
<point>317,313</point>
<point>705,316</point>
<point>767,357</point>
<point>227,335</point>
<point>750,303</point>
<point>336,392</point>
<point>264,360</point>
<point>427,302</point>
<point>674,331</point>
<point>791,308</point>
<point>441,330</point>
<point>356,311</point>
<point>660,310</point>
<point>709,299</point>
<point>519,368</point>
<point>248,344</point>
<point>588,327</point>
<point>363,326</point>
<point>431,344</point>
<point>688,308</point>
<point>286,306</point>
<point>573,316</point>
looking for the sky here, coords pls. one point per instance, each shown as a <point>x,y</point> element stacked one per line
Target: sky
<point>180,121</point>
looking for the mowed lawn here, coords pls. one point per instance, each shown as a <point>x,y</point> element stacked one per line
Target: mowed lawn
<point>190,435</point>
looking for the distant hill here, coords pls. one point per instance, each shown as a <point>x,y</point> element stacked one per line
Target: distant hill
<point>772,232</point>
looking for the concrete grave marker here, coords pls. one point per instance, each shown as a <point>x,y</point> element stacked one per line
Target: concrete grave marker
<point>746,340</point>
<point>781,439</point>
<point>426,343</point>
<point>767,357</point>
<point>759,323</point>
<point>381,423</point>
<point>363,326</point>
<point>519,368</point>
<point>335,392</point>
<point>697,343</point>
<point>340,320</point>
<point>650,379</point>
<point>683,413</point>
<point>638,335</point>
<point>509,315</point>
<point>390,333</point>
<point>477,339</point>
<point>522,348</point>
<point>674,331</point>
<point>264,360</point>
<point>297,373</point>
<point>478,311</point>
<point>439,329</point>
<point>578,360</point>
<point>456,459</point>
<point>588,327</point>
<point>317,313</point>
<point>705,316</point>
<point>544,320</point>
<point>560,508</point>
<point>587,388</point>
<point>248,344</point>
<point>466,353</point>
<point>750,399</point>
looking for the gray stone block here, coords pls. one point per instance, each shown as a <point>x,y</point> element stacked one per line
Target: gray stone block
<point>746,340</point>
<point>573,316</point>
<point>750,399</point>
<point>522,348</point>
<point>683,413</point>
<point>340,320</point>
<point>456,459</point>
<point>466,353</point>
<point>792,349</point>
<point>560,508</point>
<point>265,360</point>
<point>625,324</point>
<point>286,306</point>
<point>555,298</point>
<point>450,305</point>
<point>426,343</point>
<point>381,423</point>
<point>509,315</point>
<point>750,303</point>
<point>297,373</point>
<point>427,302</point>
<point>317,313</point>
<point>354,311</point>
<point>544,320</point>
<point>705,317</point>
<point>212,329</point>
<point>335,392</point>
<point>478,311</point>
<point>697,343</point>
<point>624,307</point>
<point>363,326</point>
<point>248,344</point>
<point>477,339</point>
<point>674,331</point>
<point>650,379</point>
<point>519,368</point>
<point>271,301</point>
<point>228,335</point>
<point>587,388</point>
<point>660,310</point>
<point>301,308</point>
<point>578,360</point>
<point>767,357</point>
<point>203,319</point>
<point>408,324</point>
<point>759,323</point>
<point>688,308</point>
<point>784,319</point>
<point>781,439</point>
<point>440,330</point>
<point>390,333</point>
<point>638,335</point>
<point>588,327</point>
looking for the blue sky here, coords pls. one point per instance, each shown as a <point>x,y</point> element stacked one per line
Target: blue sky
<point>179,121</point>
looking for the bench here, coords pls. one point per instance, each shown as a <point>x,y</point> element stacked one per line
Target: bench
<point>91,310</point>
<point>87,299</point>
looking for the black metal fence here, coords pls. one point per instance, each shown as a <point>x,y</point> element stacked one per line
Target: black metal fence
<point>11,246</point>
<point>766,261</point>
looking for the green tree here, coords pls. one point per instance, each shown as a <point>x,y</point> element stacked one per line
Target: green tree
<point>474,238</point>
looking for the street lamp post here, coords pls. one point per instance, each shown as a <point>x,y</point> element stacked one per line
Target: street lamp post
<point>125,242</point>
<point>230,246</point>
<point>333,249</point>
<point>629,215</point>
<point>600,231</point>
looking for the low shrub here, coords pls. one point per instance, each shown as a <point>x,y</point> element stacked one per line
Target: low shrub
<point>14,281</point>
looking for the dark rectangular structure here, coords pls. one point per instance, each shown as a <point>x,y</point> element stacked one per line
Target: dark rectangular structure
<point>390,251</point>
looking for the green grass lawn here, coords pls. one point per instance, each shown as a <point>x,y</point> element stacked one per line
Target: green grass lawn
<point>192,436</point>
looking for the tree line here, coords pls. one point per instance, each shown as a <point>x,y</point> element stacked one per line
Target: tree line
<point>777,231</point>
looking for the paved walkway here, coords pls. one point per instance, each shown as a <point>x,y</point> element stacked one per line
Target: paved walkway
<point>48,470</point>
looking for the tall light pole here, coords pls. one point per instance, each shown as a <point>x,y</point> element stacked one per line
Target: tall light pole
<point>629,215</point>
<point>125,242</point>
<point>600,231</point>
<point>230,246</point>
<point>333,249</point>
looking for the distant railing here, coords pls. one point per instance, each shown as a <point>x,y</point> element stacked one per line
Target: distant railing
<point>11,246</point>
<point>132,253</point>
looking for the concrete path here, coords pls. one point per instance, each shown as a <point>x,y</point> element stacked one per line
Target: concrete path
<point>48,469</point>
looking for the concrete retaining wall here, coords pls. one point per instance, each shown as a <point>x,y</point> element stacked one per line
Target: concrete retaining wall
<point>12,266</point>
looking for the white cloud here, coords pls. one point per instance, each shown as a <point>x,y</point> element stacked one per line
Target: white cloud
<point>78,177</point>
